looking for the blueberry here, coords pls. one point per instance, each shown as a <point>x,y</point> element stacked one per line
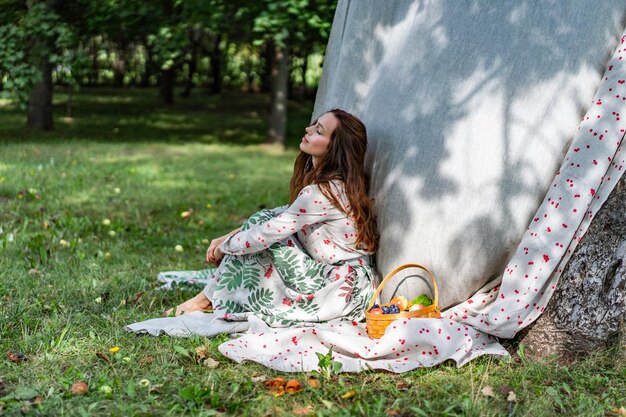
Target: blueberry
<point>375,306</point>
<point>385,310</point>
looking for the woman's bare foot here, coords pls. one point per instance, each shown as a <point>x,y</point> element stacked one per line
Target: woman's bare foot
<point>197,303</point>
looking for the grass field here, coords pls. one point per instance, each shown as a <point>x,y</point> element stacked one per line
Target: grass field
<point>90,212</point>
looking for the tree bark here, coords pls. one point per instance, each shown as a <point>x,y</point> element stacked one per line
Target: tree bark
<point>216,59</point>
<point>194,38</point>
<point>303,69</point>
<point>148,68</point>
<point>93,72</point>
<point>268,54</point>
<point>278,114</point>
<point>40,99</point>
<point>166,86</point>
<point>68,106</point>
<point>588,310</point>
<point>119,67</point>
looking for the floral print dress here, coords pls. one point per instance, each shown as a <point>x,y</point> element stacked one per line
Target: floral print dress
<point>290,265</point>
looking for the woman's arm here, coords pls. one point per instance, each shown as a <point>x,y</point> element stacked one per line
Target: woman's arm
<point>309,208</point>
<point>214,253</point>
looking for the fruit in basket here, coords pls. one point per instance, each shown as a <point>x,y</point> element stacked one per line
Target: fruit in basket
<point>385,309</point>
<point>416,307</point>
<point>401,302</point>
<point>423,300</point>
<point>376,310</point>
<point>394,309</point>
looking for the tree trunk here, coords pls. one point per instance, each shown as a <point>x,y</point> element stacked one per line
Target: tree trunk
<point>166,86</point>
<point>278,113</point>
<point>93,73</point>
<point>216,65</point>
<point>119,67</point>
<point>268,64</point>
<point>303,69</point>
<point>588,310</point>
<point>193,61</point>
<point>291,92</point>
<point>147,71</point>
<point>40,99</point>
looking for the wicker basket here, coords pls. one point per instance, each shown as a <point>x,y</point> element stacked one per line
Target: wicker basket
<point>377,323</point>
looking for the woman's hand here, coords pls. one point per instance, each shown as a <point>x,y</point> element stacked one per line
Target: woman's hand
<point>214,254</point>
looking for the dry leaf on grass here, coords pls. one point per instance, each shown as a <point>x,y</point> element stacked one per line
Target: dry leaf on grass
<point>202,352</point>
<point>505,389</point>
<point>258,377</point>
<point>104,357</point>
<point>137,297</point>
<point>79,388</point>
<point>210,363</point>
<point>313,382</point>
<point>403,385</point>
<point>302,411</point>
<point>511,397</point>
<point>146,360</point>
<point>156,388</point>
<point>16,357</point>
<point>275,382</point>
<point>202,357</point>
<point>618,412</point>
<point>393,413</point>
<point>293,386</point>
<point>278,386</point>
<point>487,391</point>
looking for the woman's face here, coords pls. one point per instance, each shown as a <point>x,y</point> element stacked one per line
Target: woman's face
<point>317,138</point>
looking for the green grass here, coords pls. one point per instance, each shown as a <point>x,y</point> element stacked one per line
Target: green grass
<point>61,305</point>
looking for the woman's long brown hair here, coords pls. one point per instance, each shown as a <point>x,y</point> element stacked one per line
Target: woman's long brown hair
<point>344,161</point>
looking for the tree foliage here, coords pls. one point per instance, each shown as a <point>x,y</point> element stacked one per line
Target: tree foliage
<point>124,41</point>
<point>35,32</point>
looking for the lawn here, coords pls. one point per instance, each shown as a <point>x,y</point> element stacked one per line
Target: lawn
<point>91,212</point>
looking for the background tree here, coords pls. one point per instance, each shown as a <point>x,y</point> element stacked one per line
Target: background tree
<point>120,28</point>
<point>211,24</point>
<point>281,27</point>
<point>31,45</point>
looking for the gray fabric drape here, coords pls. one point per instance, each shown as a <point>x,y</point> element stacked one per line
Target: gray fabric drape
<point>470,107</point>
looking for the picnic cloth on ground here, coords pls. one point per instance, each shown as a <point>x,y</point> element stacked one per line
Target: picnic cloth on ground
<point>564,80</point>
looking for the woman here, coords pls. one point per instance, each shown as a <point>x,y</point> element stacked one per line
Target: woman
<point>309,261</point>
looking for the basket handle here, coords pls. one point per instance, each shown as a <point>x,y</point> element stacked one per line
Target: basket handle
<point>398,269</point>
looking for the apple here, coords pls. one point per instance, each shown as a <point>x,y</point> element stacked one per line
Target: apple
<point>376,311</point>
<point>416,307</point>
<point>401,302</point>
